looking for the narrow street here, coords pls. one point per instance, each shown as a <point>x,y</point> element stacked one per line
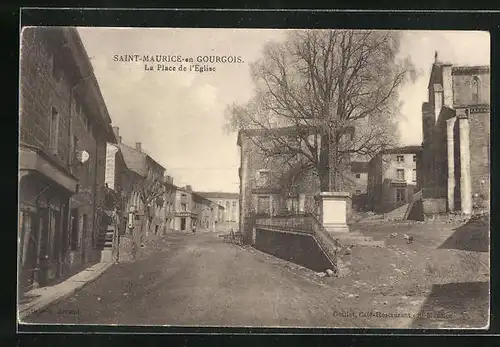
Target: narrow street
<point>199,280</point>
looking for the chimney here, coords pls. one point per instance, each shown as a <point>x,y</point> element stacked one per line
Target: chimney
<point>138,146</point>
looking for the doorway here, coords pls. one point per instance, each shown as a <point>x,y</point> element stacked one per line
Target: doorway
<point>183,223</point>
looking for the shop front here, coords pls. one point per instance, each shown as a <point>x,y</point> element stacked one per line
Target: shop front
<point>43,238</point>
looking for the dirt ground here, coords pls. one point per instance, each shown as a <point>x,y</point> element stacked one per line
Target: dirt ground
<point>199,280</point>
<point>444,271</point>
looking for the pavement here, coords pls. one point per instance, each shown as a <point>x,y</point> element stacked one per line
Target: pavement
<point>199,280</point>
<point>40,298</point>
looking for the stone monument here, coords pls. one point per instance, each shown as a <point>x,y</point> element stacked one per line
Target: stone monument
<point>333,211</point>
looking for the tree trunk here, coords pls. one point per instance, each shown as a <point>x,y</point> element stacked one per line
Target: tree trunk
<point>324,169</point>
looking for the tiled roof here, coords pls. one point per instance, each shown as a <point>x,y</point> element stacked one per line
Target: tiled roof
<point>219,195</point>
<point>134,160</point>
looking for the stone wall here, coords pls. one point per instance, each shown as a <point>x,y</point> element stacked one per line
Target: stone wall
<point>462,85</point>
<point>46,88</point>
<point>479,156</point>
<point>297,248</point>
<point>40,92</point>
<point>432,206</point>
<point>50,82</point>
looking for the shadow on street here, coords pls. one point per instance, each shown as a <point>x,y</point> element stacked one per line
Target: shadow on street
<point>472,236</point>
<point>455,305</point>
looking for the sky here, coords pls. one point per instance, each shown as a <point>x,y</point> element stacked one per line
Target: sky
<point>178,116</point>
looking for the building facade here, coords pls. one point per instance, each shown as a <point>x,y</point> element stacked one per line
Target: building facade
<point>115,199</point>
<point>170,194</point>
<point>204,209</point>
<point>193,210</point>
<point>456,145</point>
<point>230,204</point>
<point>359,187</point>
<point>185,217</point>
<point>144,184</point>
<point>64,128</point>
<point>262,192</point>
<point>393,178</point>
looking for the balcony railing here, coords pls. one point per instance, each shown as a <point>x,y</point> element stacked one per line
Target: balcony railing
<point>295,223</point>
<point>304,224</point>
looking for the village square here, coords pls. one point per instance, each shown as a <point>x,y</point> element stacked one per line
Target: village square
<point>295,195</point>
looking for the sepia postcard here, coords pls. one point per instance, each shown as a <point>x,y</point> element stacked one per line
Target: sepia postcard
<point>304,178</point>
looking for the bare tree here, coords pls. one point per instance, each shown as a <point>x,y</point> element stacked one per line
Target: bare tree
<point>151,192</point>
<point>340,86</point>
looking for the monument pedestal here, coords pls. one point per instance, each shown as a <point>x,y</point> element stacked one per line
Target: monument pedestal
<point>333,207</point>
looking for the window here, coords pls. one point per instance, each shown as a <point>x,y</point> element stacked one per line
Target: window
<point>400,195</point>
<point>263,178</point>
<point>414,158</point>
<point>475,89</point>
<point>414,175</point>
<point>264,205</point>
<point>358,175</point>
<point>358,192</point>
<point>183,207</point>
<point>54,130</point>
<point>400,174</point>
<point>234,204</point>
<point>400,158</point>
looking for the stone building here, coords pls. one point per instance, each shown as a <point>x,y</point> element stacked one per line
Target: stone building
<point>206,218</point>
<point>193,209</point>
<point>170,193</point>
<point>267,189</point>
<point>230,202</point>
<point>144,183</point>
<point>262,192</point>
<point>393,178</point>
<point>64,128</point>
<point>359,188</point>
<point>183,209</point>
<point>456,146</point>
<point>115,197</point>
